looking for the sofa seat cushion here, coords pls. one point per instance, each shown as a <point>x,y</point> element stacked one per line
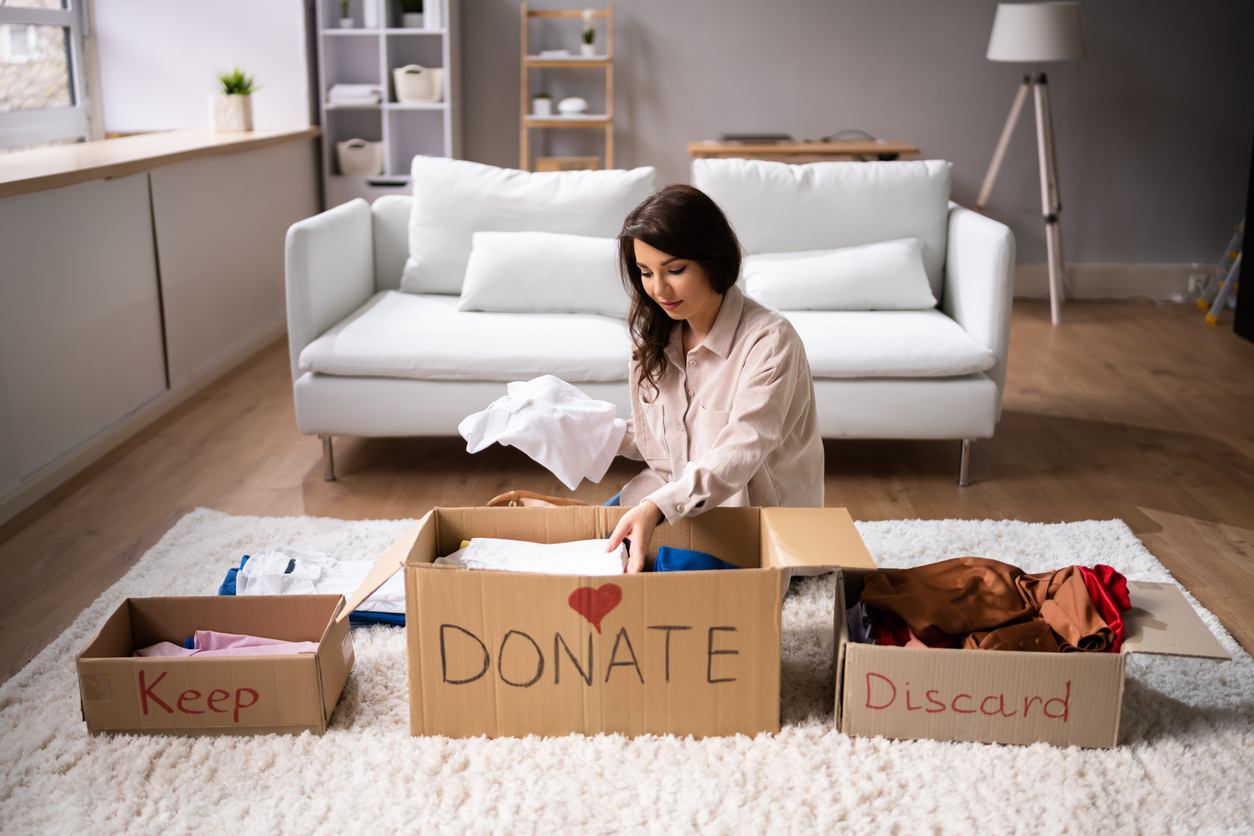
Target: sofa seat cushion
<point>425,337</point>
<point>845,344</point>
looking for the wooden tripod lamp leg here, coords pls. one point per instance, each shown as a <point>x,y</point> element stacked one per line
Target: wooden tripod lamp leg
<point>999,154</point>
<point>1051,200</point>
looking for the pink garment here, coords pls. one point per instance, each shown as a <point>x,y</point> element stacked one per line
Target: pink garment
<point>210,643</point>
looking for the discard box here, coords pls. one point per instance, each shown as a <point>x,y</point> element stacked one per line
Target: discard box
<point>215,695</point>
<point>1001,696</point>
<point>688,653</point>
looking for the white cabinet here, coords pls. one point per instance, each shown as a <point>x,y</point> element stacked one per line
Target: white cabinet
<point>80,318</point>
<point>368,56</point>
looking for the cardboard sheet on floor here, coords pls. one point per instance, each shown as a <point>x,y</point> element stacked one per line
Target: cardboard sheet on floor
<point>1000,696</point>
<point>510,654</point>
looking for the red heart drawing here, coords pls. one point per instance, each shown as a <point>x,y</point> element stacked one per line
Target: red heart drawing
<point>595,604</point>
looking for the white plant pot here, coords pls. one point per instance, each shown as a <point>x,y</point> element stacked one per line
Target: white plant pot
<point>542,107</point>
<point>346,23</point>
<point>411,20</point>
<point>359,158</point>
<point>418,85</point>
<point>231,113</point>
<point>588,50</point>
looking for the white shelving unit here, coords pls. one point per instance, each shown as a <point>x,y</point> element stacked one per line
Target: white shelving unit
<point>368,56</point>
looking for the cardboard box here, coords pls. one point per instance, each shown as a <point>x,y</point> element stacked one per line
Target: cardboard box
<point>688,653</point>
<point>999,696</point>
<point>221,694</point>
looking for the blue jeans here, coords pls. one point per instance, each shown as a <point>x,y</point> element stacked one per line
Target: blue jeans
<point>614,501</point>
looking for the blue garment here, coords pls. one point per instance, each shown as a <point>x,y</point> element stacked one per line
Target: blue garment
<point>614,501</point>
<point>686,560</point>
<point>356,619</point>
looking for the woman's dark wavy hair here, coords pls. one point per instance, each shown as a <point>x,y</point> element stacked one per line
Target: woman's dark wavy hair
<point>682,222</point>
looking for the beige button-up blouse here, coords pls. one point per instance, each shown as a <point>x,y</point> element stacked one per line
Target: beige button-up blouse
<point>734,422</point>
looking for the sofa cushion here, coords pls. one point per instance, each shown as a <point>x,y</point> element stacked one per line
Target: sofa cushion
<point>427,338</point>
<point>887,276</point>
<point>543,272</point>
<point>777,208</point>
<point>888,344</point>
<point>453,199</point>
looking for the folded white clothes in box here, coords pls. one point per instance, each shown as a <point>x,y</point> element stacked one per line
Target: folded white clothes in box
<point>578,557</point>
<point>572,435</point>
<point>355,94</point>
<point>284,570</point>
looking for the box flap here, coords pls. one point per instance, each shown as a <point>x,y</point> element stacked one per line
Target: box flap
<point>1162,622</point>
<point>385,567</point>
<point>815,537</point>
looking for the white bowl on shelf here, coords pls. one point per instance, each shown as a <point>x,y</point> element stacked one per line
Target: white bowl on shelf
<point>359,158</point>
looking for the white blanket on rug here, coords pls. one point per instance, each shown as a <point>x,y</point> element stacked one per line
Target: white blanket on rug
<point>1185,763</point>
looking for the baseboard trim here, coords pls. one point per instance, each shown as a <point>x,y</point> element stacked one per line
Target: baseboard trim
<point>50,477</point>
<point>1109,281</point>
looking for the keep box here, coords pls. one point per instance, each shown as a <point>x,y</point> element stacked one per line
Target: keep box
<point>686,653</point>
<point>221,694</point>
<point>1004,696</point>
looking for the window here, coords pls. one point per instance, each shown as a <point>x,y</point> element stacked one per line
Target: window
<point>42,90</point>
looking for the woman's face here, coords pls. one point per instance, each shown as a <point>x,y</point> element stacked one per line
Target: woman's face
<point>681,286</point>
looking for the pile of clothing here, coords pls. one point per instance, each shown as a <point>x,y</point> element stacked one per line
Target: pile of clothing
<point>977,603</point>
<point>212,643</point>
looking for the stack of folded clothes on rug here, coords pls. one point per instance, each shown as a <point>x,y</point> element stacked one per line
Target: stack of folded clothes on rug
<point>976,603</point>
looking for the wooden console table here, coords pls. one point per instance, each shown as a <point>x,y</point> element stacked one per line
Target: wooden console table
<point>803,152</point>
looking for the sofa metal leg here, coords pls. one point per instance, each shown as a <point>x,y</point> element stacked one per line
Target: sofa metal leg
<point>963,471</point>
<point>328,459</point>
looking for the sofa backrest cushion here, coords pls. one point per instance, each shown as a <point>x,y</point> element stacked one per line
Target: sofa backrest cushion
<point>887,276</point>
<point>777,208</point>
<point>453,199</point>
<point>543,272</point>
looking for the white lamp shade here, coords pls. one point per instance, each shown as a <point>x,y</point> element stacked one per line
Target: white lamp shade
<point>1032,32</point>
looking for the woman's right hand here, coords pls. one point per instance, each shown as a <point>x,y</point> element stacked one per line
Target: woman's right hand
<point>637,526</point>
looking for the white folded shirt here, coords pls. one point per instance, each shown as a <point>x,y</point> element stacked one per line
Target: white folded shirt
<point>284,570</point>
<point>571,434</point>
<point>578,557</point>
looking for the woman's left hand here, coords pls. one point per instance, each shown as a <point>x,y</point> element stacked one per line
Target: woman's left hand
<point>636,525</point>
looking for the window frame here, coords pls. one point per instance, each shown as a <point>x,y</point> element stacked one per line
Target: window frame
<point>24,127</point>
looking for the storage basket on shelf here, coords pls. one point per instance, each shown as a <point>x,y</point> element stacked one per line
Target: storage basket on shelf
<point>359,158</point>
<point>418,85</point>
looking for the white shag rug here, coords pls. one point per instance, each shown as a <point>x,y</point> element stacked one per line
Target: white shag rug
<point>1185,763</point>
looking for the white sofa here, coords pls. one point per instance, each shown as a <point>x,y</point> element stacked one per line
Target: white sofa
<point>368,360</point>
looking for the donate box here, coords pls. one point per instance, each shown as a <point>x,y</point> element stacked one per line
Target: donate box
<point>215,694</point>
<point>689,653</point>
<point>1003,696</point>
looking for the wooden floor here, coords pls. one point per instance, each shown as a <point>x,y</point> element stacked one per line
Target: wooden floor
<point>1127,411</point>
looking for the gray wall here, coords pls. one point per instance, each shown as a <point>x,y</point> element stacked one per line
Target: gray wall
<point>1153,129</point>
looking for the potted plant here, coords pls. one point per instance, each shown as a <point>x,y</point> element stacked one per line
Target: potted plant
<point>542,105</point>
<point>346,22</point>
<point>411,14</point>
<point>588,48</point>
<point>232,108</point>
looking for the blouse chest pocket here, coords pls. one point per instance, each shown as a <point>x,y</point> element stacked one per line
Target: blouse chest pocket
<point>709,423</point>
<point>652,442</point>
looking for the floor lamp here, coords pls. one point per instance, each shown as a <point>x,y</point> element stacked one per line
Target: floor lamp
<point>1034,33</point>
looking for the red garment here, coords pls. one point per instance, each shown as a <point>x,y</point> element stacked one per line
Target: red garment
<point>1109,591</point>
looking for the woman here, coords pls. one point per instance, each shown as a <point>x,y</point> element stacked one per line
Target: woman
<point>722,401</point>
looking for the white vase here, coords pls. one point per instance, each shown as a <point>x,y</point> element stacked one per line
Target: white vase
<point>231,113</point>
<point>370,14</point>
<point>434,14</point>
<point>346,23</point>
<point>411,20</point>
<point>588,50</point>
<point>542,107</point>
